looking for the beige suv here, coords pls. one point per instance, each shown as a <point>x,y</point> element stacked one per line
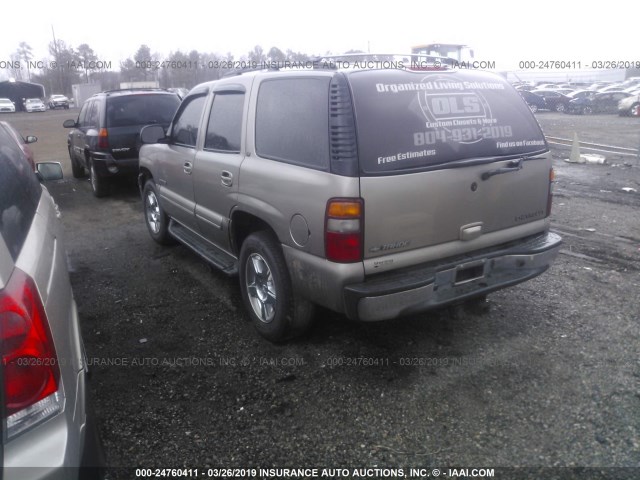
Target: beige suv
<point>374,193</point>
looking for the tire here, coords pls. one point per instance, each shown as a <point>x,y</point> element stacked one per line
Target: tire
<point>560,108</point>
<point>99,184</point>
<point>78,171</point>
<point>587,110</point>
<point>275,310</point>
<point>534,108</point>
<point>634,111</point>
<point>155,218</point>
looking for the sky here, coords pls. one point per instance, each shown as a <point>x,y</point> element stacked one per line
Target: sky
<point>504,32</point>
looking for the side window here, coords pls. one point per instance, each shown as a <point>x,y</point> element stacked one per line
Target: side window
<point>225,123</point>
<point>292,121</point>
<point>19,194</point>
<point>82,117</point>
<point>185,126</point>
<point>93,118</point>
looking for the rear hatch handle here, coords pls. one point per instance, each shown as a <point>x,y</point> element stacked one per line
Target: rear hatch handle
<point>512,166</point>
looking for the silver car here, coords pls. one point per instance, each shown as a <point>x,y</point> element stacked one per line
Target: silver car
<point>7,106</point>
<point>34,105</point>
<point>375,193</point>
<point>48,432</point>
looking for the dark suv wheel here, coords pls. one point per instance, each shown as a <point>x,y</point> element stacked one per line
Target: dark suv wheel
<point>77,170</point>
<point>99,184</point>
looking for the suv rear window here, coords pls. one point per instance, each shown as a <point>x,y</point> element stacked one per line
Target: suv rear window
<point>141,109</point>
<point>19,194</point>
<point>414,120</point>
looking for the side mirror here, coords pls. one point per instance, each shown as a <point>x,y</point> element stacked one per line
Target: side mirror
<point>49,171</point>
<point>152,134</point>
<point>31,139</point>
<point>69,123</point>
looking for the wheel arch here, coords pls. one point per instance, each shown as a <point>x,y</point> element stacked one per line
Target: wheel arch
<point>144,175</point>
<point>244,224</point>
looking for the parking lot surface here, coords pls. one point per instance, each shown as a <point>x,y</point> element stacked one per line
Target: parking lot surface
<point>545,374</point>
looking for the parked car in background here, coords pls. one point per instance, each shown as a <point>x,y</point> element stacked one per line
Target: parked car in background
<point>523,86</point>
<point>611,88</point>
<point>34,105</point>
<point>629,106</point>
<point>48,430</point>
<point>273,176</point>
<point>105,136</point>
<point>598,103</point>
<point>21,141</point>
<point>58,101</point>
<point>554,100</point>
<point>535,102</point>
<point>599,85</point>
<point>563,90</point>
<point>7,106</point>
<point>546,86</point>
<point>581,94</point>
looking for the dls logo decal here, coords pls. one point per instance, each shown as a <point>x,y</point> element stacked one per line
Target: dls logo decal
<point>447,105</point>
<point>453,106</point>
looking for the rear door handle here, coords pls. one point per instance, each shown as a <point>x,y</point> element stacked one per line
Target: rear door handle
<point>188,167</point>
<point>512,166</point>
<point>226,178</point>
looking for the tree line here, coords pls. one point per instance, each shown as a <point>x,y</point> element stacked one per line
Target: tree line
<point>67,66</point>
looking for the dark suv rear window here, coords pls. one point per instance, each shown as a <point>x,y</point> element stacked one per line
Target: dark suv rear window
<point>141,109</point>
<point>19,194</point>
<point>413,120</point>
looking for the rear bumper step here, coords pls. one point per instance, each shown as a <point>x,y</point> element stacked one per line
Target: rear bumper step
<point>434,285</point>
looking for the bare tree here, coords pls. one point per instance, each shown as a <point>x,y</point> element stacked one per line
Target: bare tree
<point>25,52</point>
<point>87,59</point>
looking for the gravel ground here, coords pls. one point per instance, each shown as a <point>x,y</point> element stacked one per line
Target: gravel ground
<point>546,374</point>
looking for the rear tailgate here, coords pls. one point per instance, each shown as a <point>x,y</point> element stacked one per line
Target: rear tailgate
<point>127,114</point>
<point>445,157</point>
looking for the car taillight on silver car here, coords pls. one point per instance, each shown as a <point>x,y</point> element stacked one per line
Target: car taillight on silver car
<point>30,363</point>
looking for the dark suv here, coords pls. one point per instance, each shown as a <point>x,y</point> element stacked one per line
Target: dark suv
<point>374,193</point>
<point>105,136</point>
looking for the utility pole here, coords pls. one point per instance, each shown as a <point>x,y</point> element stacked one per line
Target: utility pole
<point>58,66</point>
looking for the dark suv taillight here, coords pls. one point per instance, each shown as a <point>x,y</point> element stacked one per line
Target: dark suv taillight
<point>103,139</point>
<point>344,230</point>
<point>30,363</point>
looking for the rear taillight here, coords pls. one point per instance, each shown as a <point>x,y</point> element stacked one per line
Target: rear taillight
<point>552,181</point>
<point>103,139</point>
<point>30,363</point>
<point>343,229</point>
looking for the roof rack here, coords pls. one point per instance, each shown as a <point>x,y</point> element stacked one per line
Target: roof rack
<point>347,60</point>
<point>261,67</point>
<point>388,56</point>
